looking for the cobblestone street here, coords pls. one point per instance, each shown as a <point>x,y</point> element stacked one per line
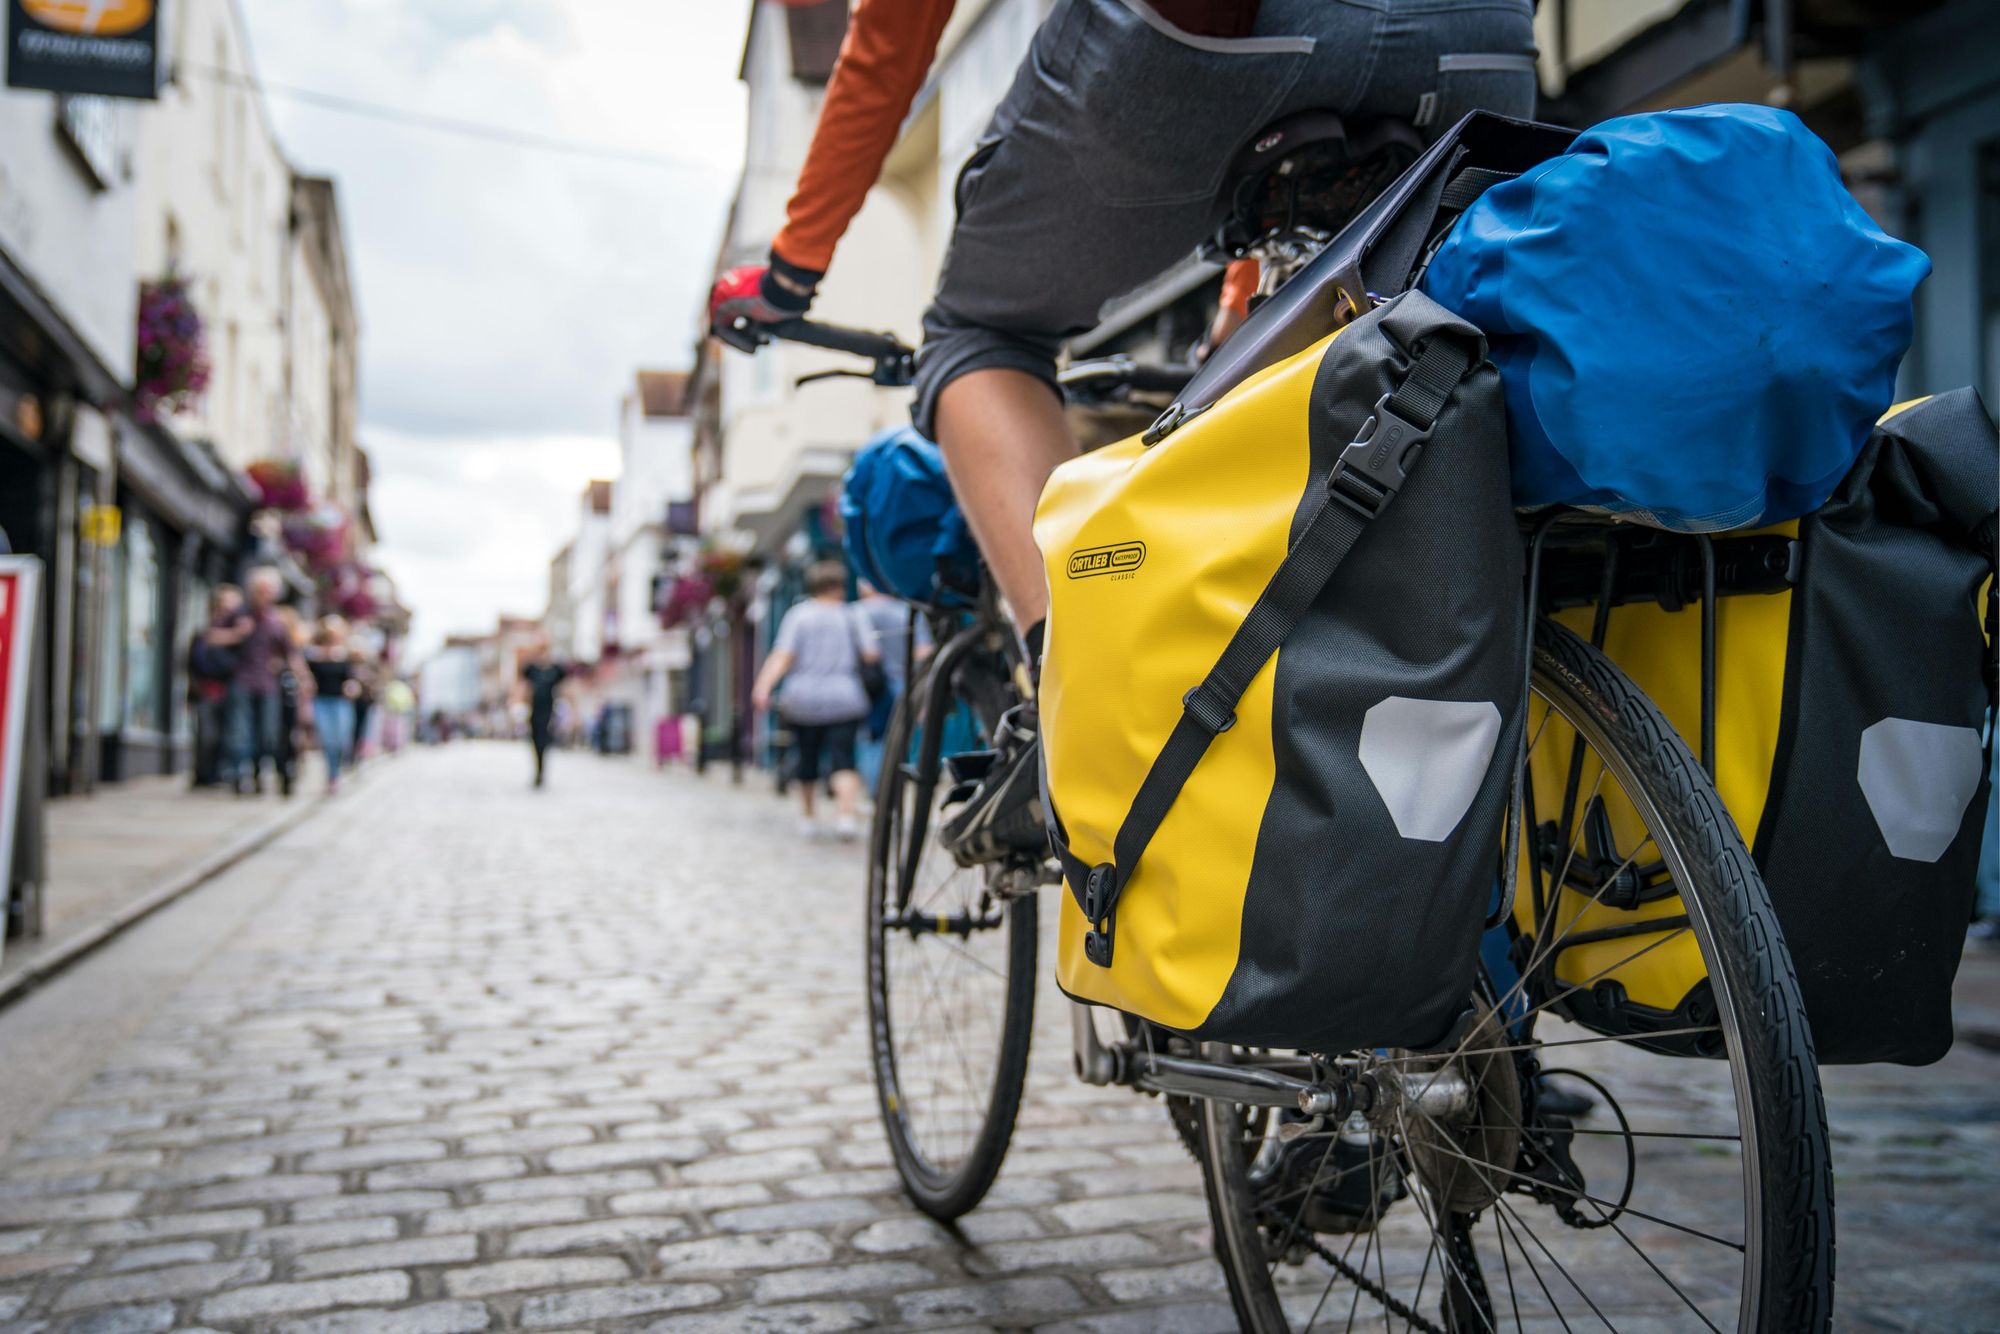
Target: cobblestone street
<point>455,1055</point>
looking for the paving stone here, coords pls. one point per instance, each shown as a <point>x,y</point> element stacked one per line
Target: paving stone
<point>840,1280</point>
<point>369,1204</point>
<point>160,1227</point>
<point>315,1295</point>
<point>758,1167</point>
<point>68,1208</point>
<point>262,1190</point>
<point>147,1285</point>
<point>678,1199</point>
<point>599,1234</point>
<point>803,1318</point>
<point>12,1306</point>
<point>1137,1285</point>
<point>454,1172</point>
<point>408,1253</point>
<point>1012,1297</point>
<point>522,1275</point>
<point>508,1214</point>
<point>167,1253</point>
<point>29,1263</point>
<point>296,1237</point>
<point>151,1318</point>
<point>577,1184</point>
<point>1101,1248</point>
<point>1129,1211</point>
<point>724,1255</point>
<point>375,1153</point>
<point>591,1306</point>
<point>619,1153</point>
<point>430,1318</point>
<point>534,1139</point>
<point>825,1213</point>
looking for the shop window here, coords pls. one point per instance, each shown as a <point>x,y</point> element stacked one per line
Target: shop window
<point>143,649</point>
<point>110,640</point>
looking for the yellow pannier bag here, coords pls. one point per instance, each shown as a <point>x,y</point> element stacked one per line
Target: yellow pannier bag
<point>1281,688</point>
<point>1853,680</point>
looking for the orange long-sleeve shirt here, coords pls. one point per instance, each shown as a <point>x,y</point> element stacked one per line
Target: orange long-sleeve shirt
<point>883,60</point>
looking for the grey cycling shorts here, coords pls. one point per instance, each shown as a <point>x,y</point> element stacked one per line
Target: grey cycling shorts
<point>1103,164</point>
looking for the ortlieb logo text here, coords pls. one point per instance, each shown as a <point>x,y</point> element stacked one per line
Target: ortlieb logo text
<point>1123,558</point>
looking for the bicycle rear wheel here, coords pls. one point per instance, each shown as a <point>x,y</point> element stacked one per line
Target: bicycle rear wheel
<point>1674,1191</point>
<point>951,956</point>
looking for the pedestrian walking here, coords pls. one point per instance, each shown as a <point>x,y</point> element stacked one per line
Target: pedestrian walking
<point>335,690</point>
<point>257,721</point>
<point>211,664</point>
<point>891,620</point>
<point>824,647</point>
<point>540,677</point>
<point>295,695</point>
<point>367,685</point>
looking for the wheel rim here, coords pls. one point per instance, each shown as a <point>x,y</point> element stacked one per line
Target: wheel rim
<point>1642,1253</point>
<point>939,997</point>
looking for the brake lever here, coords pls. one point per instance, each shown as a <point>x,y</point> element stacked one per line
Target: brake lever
<point>839,374</point>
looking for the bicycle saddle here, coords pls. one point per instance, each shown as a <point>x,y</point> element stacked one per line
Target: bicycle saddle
<point>1308,174</point>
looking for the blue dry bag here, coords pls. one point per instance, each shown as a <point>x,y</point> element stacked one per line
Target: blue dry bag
<point>1696,324</point>
<point>905,534</point>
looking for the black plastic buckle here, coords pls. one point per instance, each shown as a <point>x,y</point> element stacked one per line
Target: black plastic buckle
<point>1370,471</point>
<point>1196,705</point>
<point>1100,898</point>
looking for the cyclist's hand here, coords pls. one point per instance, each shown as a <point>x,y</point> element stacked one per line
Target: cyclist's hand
<point>751,296</point>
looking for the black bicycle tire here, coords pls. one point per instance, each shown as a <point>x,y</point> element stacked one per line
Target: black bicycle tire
<point>944,1196</point>
<point>1795,1172</point>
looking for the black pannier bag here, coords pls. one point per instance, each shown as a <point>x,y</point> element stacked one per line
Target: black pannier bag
<point>1854,676</point>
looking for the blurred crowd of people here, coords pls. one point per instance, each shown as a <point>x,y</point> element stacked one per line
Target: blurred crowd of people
<point>266,684</point>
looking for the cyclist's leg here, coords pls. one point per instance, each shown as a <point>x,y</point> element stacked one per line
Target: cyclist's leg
<point>1101,169</point>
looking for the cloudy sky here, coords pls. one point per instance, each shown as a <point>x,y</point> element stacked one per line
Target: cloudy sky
<point>507,294</point>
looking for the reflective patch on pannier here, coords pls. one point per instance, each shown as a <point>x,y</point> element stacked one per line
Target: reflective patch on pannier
<point>1427,758</point>
<point>1917,778</point>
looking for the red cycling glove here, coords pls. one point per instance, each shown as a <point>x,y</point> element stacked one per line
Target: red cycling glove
<point>751,295</point>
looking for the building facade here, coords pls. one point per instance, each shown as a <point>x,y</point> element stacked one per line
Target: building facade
<point>138,503</point>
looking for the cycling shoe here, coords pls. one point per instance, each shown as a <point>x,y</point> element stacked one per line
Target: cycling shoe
<point>1001,815</point>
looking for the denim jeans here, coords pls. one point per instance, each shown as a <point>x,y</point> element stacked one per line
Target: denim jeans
<point>255,720</point>
<point>334,717</point>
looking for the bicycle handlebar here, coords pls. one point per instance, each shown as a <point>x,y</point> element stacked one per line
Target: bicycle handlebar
<point>838,338</point>
<point>895,361</point>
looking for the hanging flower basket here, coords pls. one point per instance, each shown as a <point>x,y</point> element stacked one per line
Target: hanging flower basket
<point>173,353</point>
<point>350,592</point>
<point>318,537</point>
<point>281,485</point>
<point>722,568</point>
<point>687,598</point>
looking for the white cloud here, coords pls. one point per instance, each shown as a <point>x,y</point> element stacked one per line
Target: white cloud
<point>507,294</point>
<point>475,521</point>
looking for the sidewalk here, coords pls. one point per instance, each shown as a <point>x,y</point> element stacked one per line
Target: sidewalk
<point>124,850</point>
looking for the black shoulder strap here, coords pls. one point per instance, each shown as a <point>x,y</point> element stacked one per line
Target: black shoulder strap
<point>1359,486</point>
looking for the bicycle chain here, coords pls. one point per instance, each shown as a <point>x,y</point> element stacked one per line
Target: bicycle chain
<point>1361,1280</point>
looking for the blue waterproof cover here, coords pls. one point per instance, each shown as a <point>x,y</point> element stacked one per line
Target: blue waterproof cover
<point>904,531</point>
<point>1696,324</point>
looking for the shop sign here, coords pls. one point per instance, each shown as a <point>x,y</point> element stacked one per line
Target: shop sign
<point>109,48</point>
<point>20,578</point>
<point>101,524</point>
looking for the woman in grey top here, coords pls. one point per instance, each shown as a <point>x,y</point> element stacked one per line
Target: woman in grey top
<point>821,645</point>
